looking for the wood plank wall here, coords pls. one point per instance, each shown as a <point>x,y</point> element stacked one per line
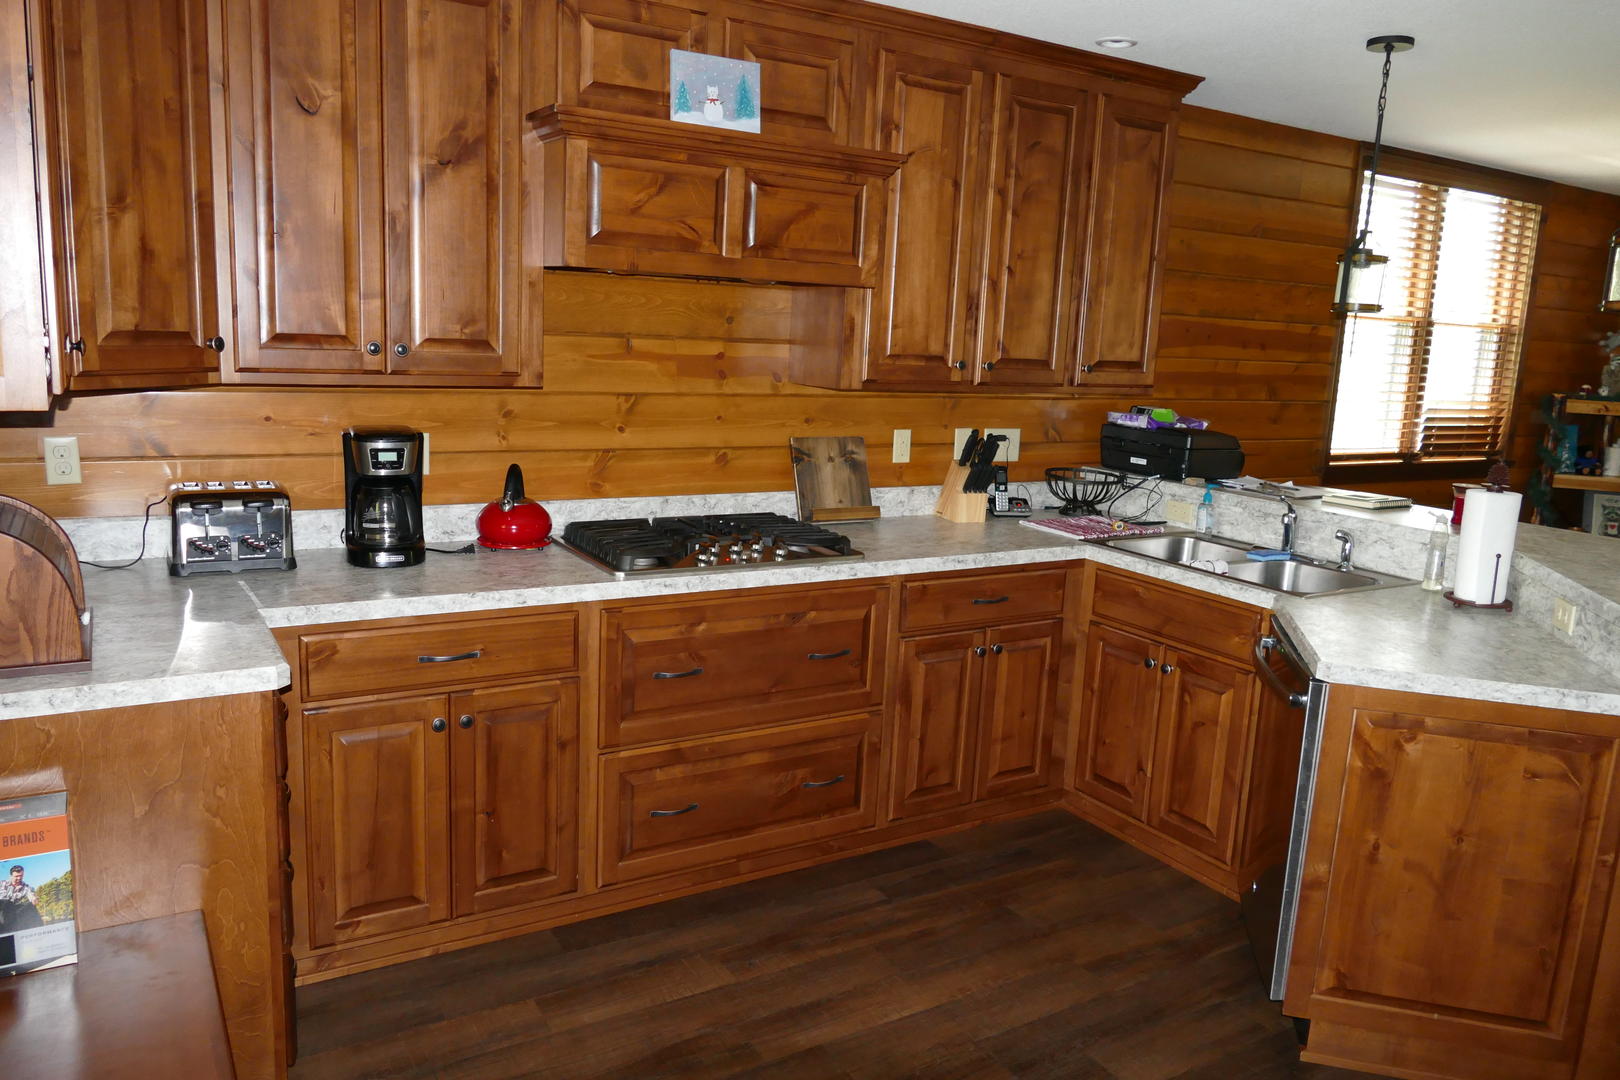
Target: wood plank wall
<point>658,386</point>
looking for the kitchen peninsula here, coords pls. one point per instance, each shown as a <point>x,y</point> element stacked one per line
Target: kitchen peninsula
<point>1397,648</point>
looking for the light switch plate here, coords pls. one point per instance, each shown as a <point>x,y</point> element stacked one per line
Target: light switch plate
<point>62,460</point>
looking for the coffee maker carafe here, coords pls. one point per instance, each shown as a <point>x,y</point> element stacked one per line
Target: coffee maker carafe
<point>382,482</point>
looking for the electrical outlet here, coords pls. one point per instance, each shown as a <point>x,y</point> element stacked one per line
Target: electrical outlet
<point>427,457</point>
<point>62,460</point>
<point>1180,513</point>
<point>962,434</point>
<point>1564,615</point>
<point>902,446</point>
<point>1007,451</point>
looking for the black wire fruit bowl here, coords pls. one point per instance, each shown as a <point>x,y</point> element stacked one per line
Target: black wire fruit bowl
<point>1083,489</point>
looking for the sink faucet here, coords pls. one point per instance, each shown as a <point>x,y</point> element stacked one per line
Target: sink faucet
<point>1347,548</point>
<point>1290,515</point>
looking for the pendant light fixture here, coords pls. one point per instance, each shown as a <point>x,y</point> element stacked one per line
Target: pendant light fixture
<point>1361,272</point>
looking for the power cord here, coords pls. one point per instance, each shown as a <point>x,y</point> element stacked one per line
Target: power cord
<point>145,520</point>
<point>465,549</point>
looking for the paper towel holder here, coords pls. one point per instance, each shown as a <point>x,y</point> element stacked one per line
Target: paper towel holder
<point>1504,606</point>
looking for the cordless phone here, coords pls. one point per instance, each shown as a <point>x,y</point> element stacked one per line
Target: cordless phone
<point>1003,504</point>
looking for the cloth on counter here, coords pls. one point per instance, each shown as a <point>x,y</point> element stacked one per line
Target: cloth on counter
<point>1093,527</point>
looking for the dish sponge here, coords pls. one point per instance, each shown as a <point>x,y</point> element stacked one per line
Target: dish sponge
<point>1270,555</point>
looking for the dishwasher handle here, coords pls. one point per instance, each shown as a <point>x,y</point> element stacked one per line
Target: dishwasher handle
<point>1262,664</point>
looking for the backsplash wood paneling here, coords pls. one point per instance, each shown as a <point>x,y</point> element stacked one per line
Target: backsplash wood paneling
<point>661,386</point>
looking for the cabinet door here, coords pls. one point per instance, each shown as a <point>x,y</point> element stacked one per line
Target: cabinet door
<point>1038,188</point>
<point>618,58</point>
<point>453,181</point>
<point>25,353</point>
<point>307,186</point>
<point>811,67</point>
<point>1132,180</point>
<point>516,802</point>
<point>148,284</point>
<point>935,713</point>
<point>1017,707</point>
<point>932,111</point>
<point>377,793</point>
<point>1203,737</point>
<point>1122,688</point>
<point>1458,880</point>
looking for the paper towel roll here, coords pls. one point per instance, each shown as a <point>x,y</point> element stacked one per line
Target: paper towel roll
<point>1485,549</point>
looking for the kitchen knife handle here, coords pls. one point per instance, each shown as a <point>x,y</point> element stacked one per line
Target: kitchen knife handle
<point>475,654</point>
<point>991,599</point>
<point>687,809</point>
<point>829,655</point>
<point>677,674</point>
<point>839,779</point>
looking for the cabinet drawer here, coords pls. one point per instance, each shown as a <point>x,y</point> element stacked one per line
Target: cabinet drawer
<point>371,661</point>
<point>673,808</point>
<point>696,669</point>
<point>1204,622</point>
<point>982,599</point>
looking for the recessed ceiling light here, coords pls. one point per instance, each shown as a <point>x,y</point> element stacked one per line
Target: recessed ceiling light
<point>1116,42</point>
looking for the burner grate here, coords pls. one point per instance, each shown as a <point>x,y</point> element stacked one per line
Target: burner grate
<point>703,542</point>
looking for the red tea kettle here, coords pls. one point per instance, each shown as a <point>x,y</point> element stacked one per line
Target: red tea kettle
<point>514,523</point>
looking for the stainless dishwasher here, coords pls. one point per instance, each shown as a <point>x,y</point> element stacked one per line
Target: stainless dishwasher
<point>1272,899</point>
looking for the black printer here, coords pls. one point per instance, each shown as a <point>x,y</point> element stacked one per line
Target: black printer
<point>1173,453</point>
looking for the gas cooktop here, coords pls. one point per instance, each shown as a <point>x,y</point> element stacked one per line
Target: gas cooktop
<point>685,545</point>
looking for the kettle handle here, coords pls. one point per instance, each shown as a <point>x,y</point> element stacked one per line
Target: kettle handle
<point>513,493</point>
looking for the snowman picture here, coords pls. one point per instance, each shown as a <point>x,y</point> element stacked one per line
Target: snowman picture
<point>729,88</point>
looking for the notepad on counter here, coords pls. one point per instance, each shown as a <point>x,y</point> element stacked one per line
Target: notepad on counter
<point>1366,500</point>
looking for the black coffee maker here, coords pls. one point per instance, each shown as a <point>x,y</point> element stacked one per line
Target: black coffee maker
<point>382,482</point>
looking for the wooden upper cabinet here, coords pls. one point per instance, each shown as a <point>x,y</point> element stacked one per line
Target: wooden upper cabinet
<point>923,309</point>
<point>1035,240</point>
<point>308,185</point>
<point>26,321</point>
<point>614,54</point>
<point>814,69</point>
<point>1132,181</point>
<point>145,250</point>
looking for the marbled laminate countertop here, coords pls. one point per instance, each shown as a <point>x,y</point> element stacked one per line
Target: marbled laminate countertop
<point>163,639</point>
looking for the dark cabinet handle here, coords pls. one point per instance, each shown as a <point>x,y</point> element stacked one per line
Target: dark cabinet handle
<point>373,348</point>
<point>402,349</point>
<point>978,650</point>
<point>687,809</point>
<point>839,779</point>
<point>466,720</point>
<point>438,724</point>
<point>996,649</point>
<point>829,655</point>
<point>677,674</point>
<point>1149,663</point>
<point>991,599</point>
<point>1167,669</point>
<point>475,654</point>
<point>216,343</point>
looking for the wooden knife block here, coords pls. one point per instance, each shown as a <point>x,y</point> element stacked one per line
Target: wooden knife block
<point>958,505</point>
<point>44,624</point>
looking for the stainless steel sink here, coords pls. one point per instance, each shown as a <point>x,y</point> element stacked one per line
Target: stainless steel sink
<point>1298,576</point>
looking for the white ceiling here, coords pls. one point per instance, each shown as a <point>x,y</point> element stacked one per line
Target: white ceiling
<point>1530,87</point>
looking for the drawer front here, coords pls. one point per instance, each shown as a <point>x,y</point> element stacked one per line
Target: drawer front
<point>1195,619</point>
<point>983,599</point>
<point>674,808</point>
<point>725,665</point>
<point>373,661</point>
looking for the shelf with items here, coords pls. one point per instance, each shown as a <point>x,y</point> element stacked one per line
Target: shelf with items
<point>1557,454</point>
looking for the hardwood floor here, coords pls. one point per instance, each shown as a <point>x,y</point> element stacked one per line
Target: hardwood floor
<point>1033,948</point>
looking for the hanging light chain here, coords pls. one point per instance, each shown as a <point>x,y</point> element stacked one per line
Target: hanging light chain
<point>1378,142</point>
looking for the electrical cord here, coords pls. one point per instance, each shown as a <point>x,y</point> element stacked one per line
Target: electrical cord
<point>1155,498</point>
<point>465,549</point>
<point>145,519</point>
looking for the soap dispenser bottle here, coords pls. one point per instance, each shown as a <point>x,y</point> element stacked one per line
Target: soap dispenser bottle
<point>1206,511</point>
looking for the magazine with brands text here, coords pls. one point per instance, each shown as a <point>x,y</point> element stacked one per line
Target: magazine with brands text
<point>36,884</point>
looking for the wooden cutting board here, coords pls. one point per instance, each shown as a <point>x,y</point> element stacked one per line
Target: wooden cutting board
<point>830,479</point>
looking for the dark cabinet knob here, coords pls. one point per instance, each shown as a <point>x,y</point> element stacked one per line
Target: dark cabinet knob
<point>959,365</point>
<point>979,651</point>
<point>1085,369</point>
<point>75,345</point>
<point>216,343</point>
<point>1167,669</point>
<point>373,348</point>
<point>466,720</point>
<point>1149,663</point>
<point>989,365</point>
<point>996,649</point>
<point>438,724</point>
<point>402,349</point>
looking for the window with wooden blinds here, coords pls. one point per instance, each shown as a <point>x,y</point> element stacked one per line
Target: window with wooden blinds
<point>1430,378</point>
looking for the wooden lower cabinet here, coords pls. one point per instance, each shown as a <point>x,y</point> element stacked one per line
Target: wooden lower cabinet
<point>973,716</point>
<point>1165,748</point>
<point>1458,916</point>
<point>431,807</point>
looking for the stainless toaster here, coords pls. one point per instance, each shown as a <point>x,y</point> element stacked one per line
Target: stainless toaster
<point>220,527</point>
